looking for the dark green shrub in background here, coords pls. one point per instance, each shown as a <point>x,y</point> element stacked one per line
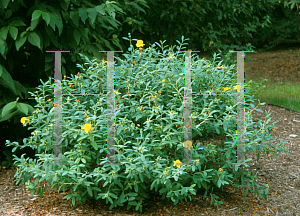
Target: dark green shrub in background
<point>28,29</point>
<point>285,25</point>
<point>209,24</point>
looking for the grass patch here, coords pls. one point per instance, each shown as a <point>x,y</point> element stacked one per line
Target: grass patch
<point>281,94</point>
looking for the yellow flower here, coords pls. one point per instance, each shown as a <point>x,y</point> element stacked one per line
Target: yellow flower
<point>87,127</point>
<point>226,88</point>
<point>139,43</point>
<point>177,163</point>
<point>188,144</point>
<point>140,148</point>
<point>163,81</point>
<point>221,170</point>
<point>24,119</point>
<point>237,87</point>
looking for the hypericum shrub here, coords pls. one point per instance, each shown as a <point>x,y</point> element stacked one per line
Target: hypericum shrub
<point>149,135</point>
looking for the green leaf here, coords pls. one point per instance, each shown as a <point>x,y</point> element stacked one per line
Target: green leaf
<point>17,22</point>
<point>83,33</point>
<point>132,194</point>
<point>3,47</point>
<point>23,108</point>
<point>225,126</point>
<point>4,32</point>
<point>75,17</point>
<point>97,189</point>
<point>46,17</point>
<point>19,42</point>
<point>73,200</point>
<point>4,3</point>
<point>83,14</point>
<point>65,4</point>
<point>14,149</point>
<point>48,66</point>
<point>34,39</point>
<point>138,7</point>
<point>77,161</point>
<point>163,190</point>
<point>113,22</point>
<point>55,19</point>
<point>100,9</point>
<point>34,24</point>
<point>20,88</point>
<point>94,145</point>
<point>109,8</point>
<point>141,177</point>
<point>83,160</point>
<point>7,80</point>
<point>41,192</point>
<point>49,57</point>
<point>167,127</point>
<point>77,36</point>
<point>243,179</point>
<point>110,200</point>
<point>36,14</point>
<point>92,13</point>
<point>67,196</point>
<point>82,138</point>
<point>8,14</point>
<point>116,42</point>
<point>259,110</point>
<point>90,191</point>
<point>245,193</point>
<point>122,3</point>
<point>9,116</point>
<point>133,203</point>
<point>138,117</point>
<point>169,184</point>
<point>113,195</point>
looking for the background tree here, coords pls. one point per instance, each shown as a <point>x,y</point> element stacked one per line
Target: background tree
<point>28,30</point>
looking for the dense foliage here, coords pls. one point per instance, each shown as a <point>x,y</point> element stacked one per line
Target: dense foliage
<point>149,131</point>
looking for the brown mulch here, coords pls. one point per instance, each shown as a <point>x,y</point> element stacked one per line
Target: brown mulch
<point>281,173</point>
